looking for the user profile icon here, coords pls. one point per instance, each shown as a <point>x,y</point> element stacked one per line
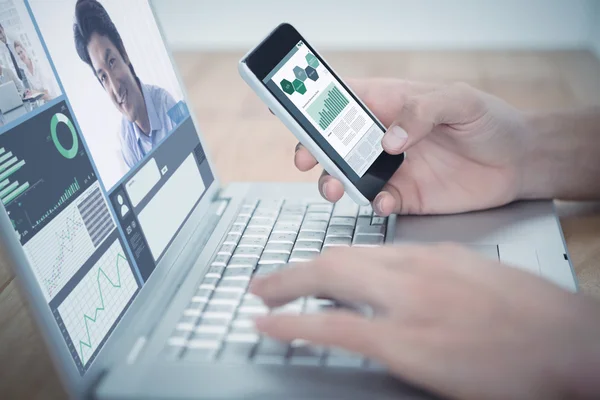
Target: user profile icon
<point>124,208</point>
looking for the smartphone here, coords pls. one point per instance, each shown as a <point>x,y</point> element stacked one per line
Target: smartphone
<point>306,94</point>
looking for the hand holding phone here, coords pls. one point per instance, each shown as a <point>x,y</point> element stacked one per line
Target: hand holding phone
<point>303,91</point>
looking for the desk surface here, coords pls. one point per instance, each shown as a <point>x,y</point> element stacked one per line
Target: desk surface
<point>233,120</point>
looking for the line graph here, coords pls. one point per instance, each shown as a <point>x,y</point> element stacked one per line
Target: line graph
<point>93,306</point>
<point>59,250</point>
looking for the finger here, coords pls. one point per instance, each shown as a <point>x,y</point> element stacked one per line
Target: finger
<point>420,114</point>
<point>303,159</point>
<point>337,328</point>
<point>330,188</point>
<point>349,275</point>
<point>386,203</point>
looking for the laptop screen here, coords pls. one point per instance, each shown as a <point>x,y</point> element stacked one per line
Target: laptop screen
<point>100,163</point>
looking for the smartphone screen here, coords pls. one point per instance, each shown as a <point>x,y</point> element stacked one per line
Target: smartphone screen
<point>326,110</point>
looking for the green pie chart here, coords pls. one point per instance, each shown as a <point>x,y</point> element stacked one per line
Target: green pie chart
<point>62,118</point>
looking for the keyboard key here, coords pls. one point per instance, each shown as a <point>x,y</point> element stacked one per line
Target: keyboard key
<point>187,323</point>
<point>213,321</point>
<point>337,357</point>
<point>238,273</point>
<point>219,309</point>
<point>345,209</point>
<point>343,221</point>
<point>273,258</point>
<point>270,351</point>
<point>227,249</point>
<point>286,227</point>
<point>220,260</point>
<point>251,300</point>
<point>209,283</point>
<point>242,321</point>
<point>367,240</point>
<point>365,211</point>
<point>267,269</point>
<point>371,230</point>
<point>363,221</point>
<point>253,310</point>
<point>202,295</point>
<point>340,231</point>
<point>237,230</point>
<point>313,226</point>
<point>257,232</point>
<point>204,335</point>
<point>253,252</point>
<point>317,217</point>
<point>217,328</point>
<point>302,255</point>
<point>242,338</point>
<point>232,239</point>
<point>293,209</point>
<point>252,241</point>
<point>313,246</point>
<point>232,286</point>
<point>236,352</point>
<point>237,297</point>
<point>261,222</point>
<point>333,241</point>
<point>320,207</point>
<point>243,329</point>
<point>311,236</point>
<point>241,220</point>
<point>378,221</point>
<point>243,262</point>
<point>215,271</point>
<point>282,238</point>
<point>285,248</point>
<point>203,344</point>
<point>263,212</point>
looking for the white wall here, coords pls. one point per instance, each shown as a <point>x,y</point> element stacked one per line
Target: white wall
<point>383,24</point>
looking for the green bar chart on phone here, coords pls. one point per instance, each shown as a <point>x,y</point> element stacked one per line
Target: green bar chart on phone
<point>327,106</point>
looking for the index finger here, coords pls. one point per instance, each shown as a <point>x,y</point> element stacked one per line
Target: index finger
<point>303,159</point>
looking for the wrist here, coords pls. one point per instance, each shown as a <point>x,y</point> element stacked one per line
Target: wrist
<point>560,155</point>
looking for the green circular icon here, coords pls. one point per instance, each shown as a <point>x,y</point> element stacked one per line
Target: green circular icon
<point>56,119</point>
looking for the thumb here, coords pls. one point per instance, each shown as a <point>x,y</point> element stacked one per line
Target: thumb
<point>454,104</point>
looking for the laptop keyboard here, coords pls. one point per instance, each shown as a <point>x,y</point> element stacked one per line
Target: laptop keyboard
<point>216,325</point>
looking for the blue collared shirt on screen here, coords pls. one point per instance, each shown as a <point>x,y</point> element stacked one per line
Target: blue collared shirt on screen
<point>135,144</point>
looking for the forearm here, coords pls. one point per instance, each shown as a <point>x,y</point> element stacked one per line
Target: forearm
<point>562,158</point>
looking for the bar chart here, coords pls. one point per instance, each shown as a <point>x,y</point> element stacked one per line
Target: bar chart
<point>325,109</point>
<point>10,189</point>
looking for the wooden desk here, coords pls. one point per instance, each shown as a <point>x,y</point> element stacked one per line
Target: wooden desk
<point>247,143</point>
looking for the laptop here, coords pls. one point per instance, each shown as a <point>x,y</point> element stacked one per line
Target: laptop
<point>9,97</point>
<point>135,260</point>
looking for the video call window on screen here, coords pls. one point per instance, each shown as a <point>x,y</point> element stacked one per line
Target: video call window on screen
<point>117,76</point>
<point>27,81</point>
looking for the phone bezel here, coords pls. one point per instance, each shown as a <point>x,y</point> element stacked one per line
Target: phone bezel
<point>267,55</point>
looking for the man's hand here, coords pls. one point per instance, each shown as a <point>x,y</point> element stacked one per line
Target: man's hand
<point>446,320</point>
<point>465,148</point>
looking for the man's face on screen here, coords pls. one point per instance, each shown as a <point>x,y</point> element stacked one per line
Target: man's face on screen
<point>116,77</point>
